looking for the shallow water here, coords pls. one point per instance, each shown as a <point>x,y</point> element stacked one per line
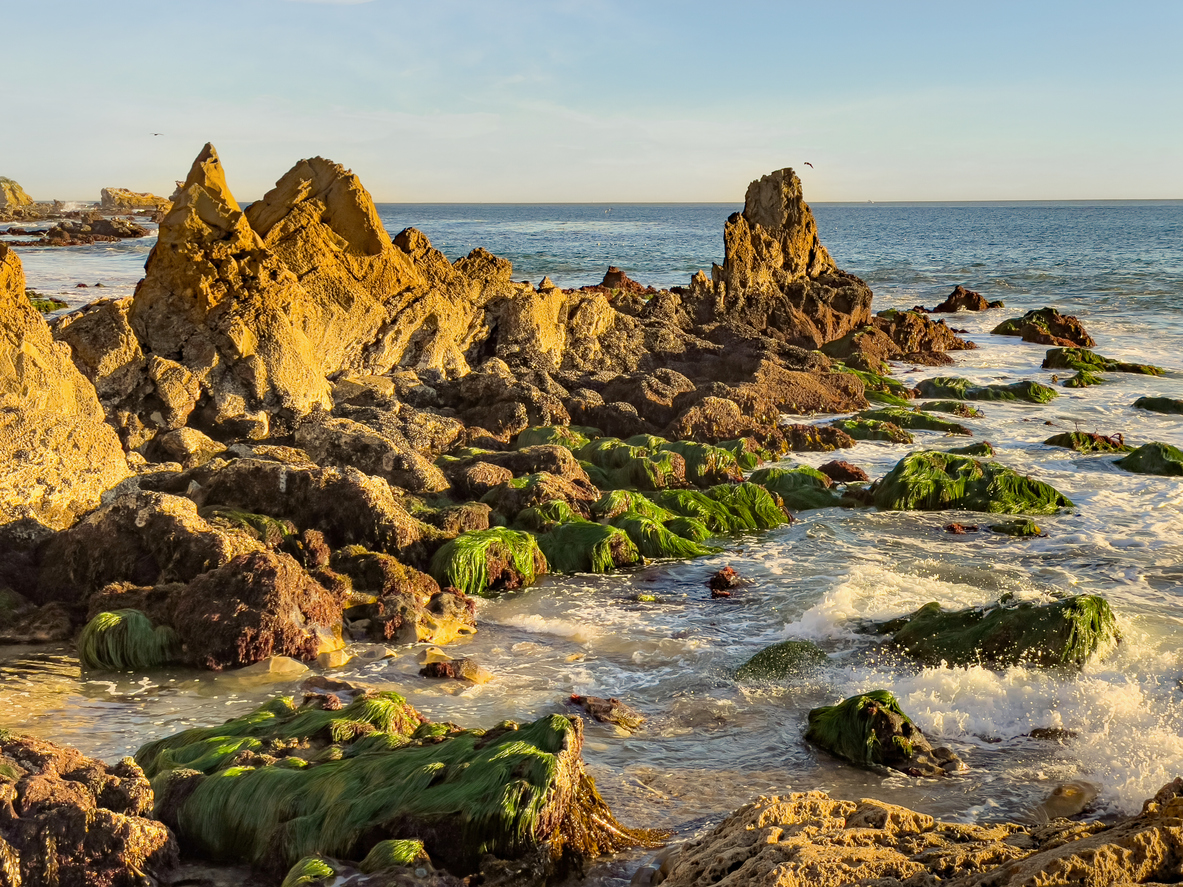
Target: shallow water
<point>712,744</point>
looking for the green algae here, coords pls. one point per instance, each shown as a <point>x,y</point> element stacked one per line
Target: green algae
<point>393,854</point>
<point>706,465</point>
<point>266,529</point>
<point>1084,442</point>
<point>1170,405</point>
<point>801,489</point>
<point>750,505</point>
<point>126,640</point>
<point>848,728</point>
<point>309,870</point>
<point>584,547</point>
<point>963,389</point>
<point>932,481</point>
<point>1018,528</point>
<point>981,448</point>
<point>870,429</point>
<point>1083,379</point>
<point>788,659</point>
<point>956,407</point>
<point>616,502</point>
<point>1154,458</point>
<point>1060,634</point>
<point>914,420</point>
<point>44,304</point>
<point>655,540</point>
<point>477,560</point>
<point>509,791</point>
<point>747,452</point>
<point>545,517</point>
<point>1084,360</point>
<point>623,466</point>
<point>570,436</point>
<point>697,505</point>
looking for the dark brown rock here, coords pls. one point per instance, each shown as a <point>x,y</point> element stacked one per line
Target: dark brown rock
<point>474,479</point>
<point>843,472</point>
<point>71,821</point>
<point>816,438</point>
<point>962,299</point>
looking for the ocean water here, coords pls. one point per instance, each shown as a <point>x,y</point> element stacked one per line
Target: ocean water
<point>712,744</point>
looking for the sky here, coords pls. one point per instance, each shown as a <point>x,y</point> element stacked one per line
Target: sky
<point>641,100</point>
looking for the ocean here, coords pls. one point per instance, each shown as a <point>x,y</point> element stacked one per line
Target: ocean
<point>711,743</point>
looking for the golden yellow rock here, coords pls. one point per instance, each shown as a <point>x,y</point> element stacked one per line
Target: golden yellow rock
<point>119,200</point>
<point>56,454</point>
<point>333,658</point>
<point>12,195</point>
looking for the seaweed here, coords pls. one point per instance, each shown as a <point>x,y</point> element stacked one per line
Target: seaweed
<point>570,436</point>
<point>848,729</point>
<point>1020,527</point>
<point>126,640</point>
<point>392,854</point>
<point>932,481</point>
<point>1084,442</point>
<point>1154,458</point>
<point>956,407</point>
<point>508,791</point>
<point>751,504</point>
<point>802,488</point>
<point>624,466</point>
<point>870,429</point>
<point>480,560</point>
<point>616,502</point>
<point>309,870</point>
<point>585,547</point>
<point>963,389</point>
<point>695,504</point>
<point>266,529</point>
<point>780,661</point>
<point>981,448</point>
<point>655,540</point>
<point>546,516</point>
<point>1083,379</point>
<point>705,464</point>
<point>914,420</point>
<point>747,452</point>
<point>689,528</point>
<point>1084,360</point>
<point>1059,634</point>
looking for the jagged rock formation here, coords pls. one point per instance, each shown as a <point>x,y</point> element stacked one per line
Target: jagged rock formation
<point>810,838</point>
<point>776,276</point>
<point>57,453</point>
<point>121,200</point>
<point>12,195</point>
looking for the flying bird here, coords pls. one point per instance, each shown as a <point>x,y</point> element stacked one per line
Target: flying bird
<point>157,133</point>
<point>810,165</point>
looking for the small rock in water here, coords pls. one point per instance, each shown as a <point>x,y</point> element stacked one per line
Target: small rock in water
<point>1052,733</point>
<point>458,670</point>
<point>277,667</point>
<point>333,658</point>
<point>609,711</point>
<point>842,472</point>
<point>961,529</point>
<point>723,581</point>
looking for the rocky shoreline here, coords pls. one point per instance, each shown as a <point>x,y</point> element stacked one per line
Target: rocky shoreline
<point>303,440</point>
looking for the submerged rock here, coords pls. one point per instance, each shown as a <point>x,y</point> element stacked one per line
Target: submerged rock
<point>842,472</point>
<point>72,821</point>
<point>286,782</point>
<point>802,488</point>
<point>914,420</point>
<point>788,659</point>
<point>1026,528</point>
<point>872,731</point>
<point>1086,442</point>
<point>57,454</point>
<point>1171,405</point>
<point>1063,633</point>
<point>1154,458</point>
<point>609,711</point>
<point>1047,326</point>
<point>934,481</point>
<point>964,389</point>
<point>873,429</point>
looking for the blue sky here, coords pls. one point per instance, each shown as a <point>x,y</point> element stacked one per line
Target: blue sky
<point>597,100</point>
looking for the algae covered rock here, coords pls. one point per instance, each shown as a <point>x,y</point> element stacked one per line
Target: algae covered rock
<point>1171,405</point>
<point>1062,633</point>
<point>1082,360</point>
<point>485,561</point>
<point>1018,528</point>
<point>1154,458</point>
<point>584,547</point>
<point>1047,326</point>
<point>284,783</point>
<point>872,429</point>
<point>1085,442</point>
<point>871,730</point>
<point>933,481</point>
<point>982,448</point>
<point>802,488</point>
<point>914,420</point>
<point>963,389</point>
<point>780,661</point>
